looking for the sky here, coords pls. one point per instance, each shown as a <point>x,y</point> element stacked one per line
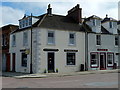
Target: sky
<point>13,10</point>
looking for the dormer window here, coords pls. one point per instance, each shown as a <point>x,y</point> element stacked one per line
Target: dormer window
<point>94,22</point>
<point>111,24</point>
<point>30,21</point>
<point>25,22</point>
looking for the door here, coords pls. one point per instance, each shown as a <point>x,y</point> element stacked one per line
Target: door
<point>102,61</point>
<point>50,62</point>
<point>13,62</point>
<point>3,62</point>
<point>8,63</point>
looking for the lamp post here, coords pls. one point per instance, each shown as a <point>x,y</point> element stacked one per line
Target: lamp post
<point>31,46</point>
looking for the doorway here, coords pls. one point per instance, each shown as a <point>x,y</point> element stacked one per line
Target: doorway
<point>13,62</point>
<point>50,62</point>
<point>8,62</point>
<point>102,61</point>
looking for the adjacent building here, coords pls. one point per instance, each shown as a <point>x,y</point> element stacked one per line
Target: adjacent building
<point>102,43</point>
<point>4,45</point>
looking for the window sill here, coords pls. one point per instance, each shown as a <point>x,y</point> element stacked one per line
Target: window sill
<point>98,45</point>
<point>51,44</point>
<point>72,45</point>
<point>70,65</point>
<point>14,46</point>
<point>116,46</point>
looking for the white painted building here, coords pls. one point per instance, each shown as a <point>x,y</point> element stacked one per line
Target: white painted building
<point>58,43</point>
<point>102,39</point>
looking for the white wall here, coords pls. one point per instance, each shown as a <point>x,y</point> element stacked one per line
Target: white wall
<point>16,49</point>
<point>107,42</point>
<point>97,27</point>
<point>111,30</point>
<point>61,43</point>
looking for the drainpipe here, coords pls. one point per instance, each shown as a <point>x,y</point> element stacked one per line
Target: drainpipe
<point>86,49</point>
<point>118,51</point>
<point>31,47</point>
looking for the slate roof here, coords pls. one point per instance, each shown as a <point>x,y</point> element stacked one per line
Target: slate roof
<point>8,26</point>
<point>104,31</point>
<point>108,19</point>
<point>60,22</point>
<point>57,22</point>
<point>93,17</point>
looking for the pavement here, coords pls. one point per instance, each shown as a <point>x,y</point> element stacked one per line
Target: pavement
<point>44,75</point>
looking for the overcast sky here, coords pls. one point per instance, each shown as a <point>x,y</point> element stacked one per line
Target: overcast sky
<point>13,10</point>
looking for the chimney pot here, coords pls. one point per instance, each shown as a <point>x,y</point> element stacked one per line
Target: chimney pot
<point>49,10</point>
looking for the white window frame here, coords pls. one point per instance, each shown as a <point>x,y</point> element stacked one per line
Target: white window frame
<point>112,59</point>
<point>25,40</point>
<point>74,39</point>
<point>13,41</point>
<point>111,24</point>
<point>73,59</point>
<point>24,65</point>
<point>94,22</point>
<point>98,40</point>
<point>97,60</point>
<point>29,21</point>
<point>48,38</point>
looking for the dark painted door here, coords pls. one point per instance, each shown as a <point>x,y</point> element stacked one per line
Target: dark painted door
<point>13,62</point>
<point>50,62</point>
<point>8,62</point>
<point>102,61</point>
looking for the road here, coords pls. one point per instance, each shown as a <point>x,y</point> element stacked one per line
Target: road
<point>108,80</point>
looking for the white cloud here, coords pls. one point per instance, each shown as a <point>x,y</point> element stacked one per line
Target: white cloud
<point>10,15</point>
<point>89,7</point>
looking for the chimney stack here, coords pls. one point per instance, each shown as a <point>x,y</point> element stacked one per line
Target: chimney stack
<point>49,10</point>
<point>76,13</point>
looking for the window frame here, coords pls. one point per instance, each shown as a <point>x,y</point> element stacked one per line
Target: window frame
<point>111,24</point>
<point>116,41</point>
<point>13,40</point>
<point>110,65</point>
<point>98,40</point>
<point>74,39</point>
<point>25,41</point>
<point>74,60</point>
<point>94,22</point>
<point>97,60</point>
<point>22,60</point>
<point>48,38</point>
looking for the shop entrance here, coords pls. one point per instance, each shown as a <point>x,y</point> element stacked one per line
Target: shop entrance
<point>102,61</point>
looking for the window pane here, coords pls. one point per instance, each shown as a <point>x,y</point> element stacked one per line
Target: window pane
<point>13,40</point>
<point>24,59</point>
<point>25,38</point>
<point>110,24</point>
<point>71,38</point>
<point>94,59</point>
<point>98,39</point>
<point>110,59</point>
<point>70,58</point>
<point>51,38</point>
<point>116,40</point>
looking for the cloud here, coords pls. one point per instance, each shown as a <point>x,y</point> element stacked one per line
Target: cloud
<point>10,15</point>
<point>100,8</point>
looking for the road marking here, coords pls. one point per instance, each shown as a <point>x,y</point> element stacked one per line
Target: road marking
<point>101,83</point>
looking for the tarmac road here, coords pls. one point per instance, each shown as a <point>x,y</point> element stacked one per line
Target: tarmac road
<point>107,80</point>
